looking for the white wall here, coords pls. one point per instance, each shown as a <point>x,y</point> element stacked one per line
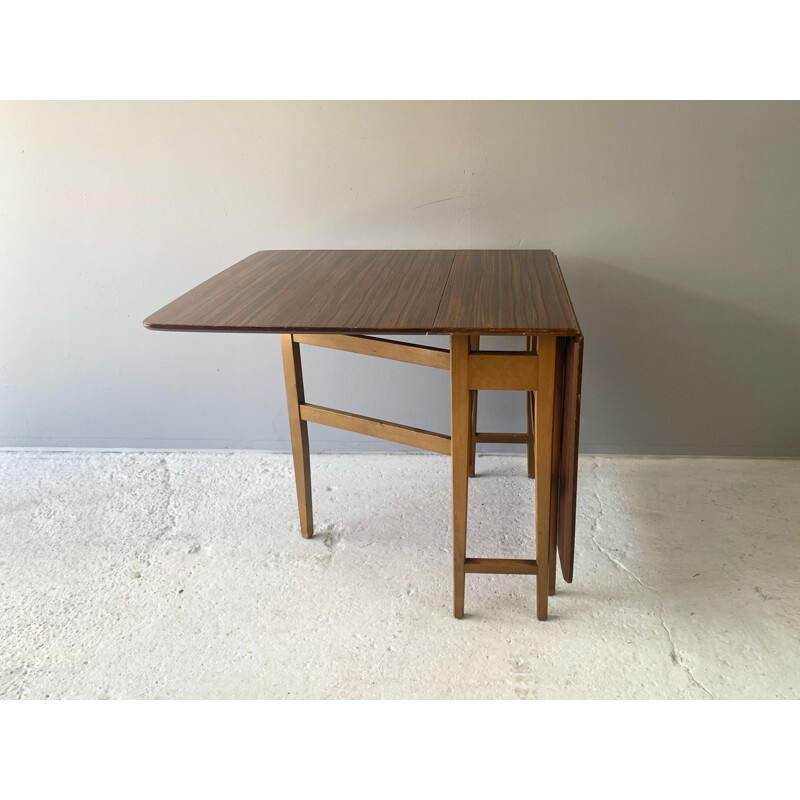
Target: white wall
<point>676,225</point>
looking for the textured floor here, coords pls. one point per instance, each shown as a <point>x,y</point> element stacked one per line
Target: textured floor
<point>183,575</point>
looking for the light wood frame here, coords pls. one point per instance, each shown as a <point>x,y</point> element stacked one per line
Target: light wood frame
<point>538,371</point>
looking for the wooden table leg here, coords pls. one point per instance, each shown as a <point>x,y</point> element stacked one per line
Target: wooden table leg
<point>544,413</point>
<point>295,397</point>
<point>460,439</point>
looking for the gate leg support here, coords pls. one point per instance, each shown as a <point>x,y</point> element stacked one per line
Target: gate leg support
<point>460,438</point>
<point>544,445</point>
<point>295,397</point>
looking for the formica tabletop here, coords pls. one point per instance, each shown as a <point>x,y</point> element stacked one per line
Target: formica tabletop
<point>507,292</point>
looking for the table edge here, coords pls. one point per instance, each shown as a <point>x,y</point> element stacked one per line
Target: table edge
<point>371,331</point>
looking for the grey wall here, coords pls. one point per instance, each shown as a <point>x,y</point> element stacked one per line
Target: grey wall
<point>676,224</point>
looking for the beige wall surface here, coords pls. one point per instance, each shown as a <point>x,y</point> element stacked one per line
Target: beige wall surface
<point>677,225</point>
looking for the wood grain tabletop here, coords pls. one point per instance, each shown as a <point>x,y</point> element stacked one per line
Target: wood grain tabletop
<point>380,291</point>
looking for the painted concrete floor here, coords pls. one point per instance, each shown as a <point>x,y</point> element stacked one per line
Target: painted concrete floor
<point>183,575</point>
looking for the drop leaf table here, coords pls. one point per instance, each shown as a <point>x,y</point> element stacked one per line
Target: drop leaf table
<point>340,299</point>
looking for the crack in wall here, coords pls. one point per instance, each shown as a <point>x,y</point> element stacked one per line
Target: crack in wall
<point>443,200</point>
<point>675,656</point>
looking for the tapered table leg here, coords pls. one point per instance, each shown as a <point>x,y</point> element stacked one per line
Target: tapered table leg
<point>544,413</point>
<point>295,396</point>
<point>460,439</point>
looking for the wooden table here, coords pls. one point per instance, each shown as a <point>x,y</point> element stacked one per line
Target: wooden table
<point>333,298</point>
